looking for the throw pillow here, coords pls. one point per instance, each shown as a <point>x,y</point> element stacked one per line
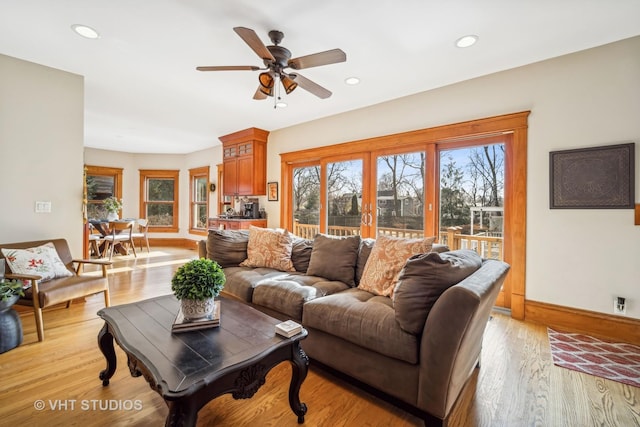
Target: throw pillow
<point>301,254</point>
<point>334,258</point>
<point>41,261</point>
<point>227,247</point>
<point>363,255</point>
<point>269,248</point>
<point>424,278</point>
<point>388,256</point>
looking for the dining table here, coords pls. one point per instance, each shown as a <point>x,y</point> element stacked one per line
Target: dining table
<point>102,226</point>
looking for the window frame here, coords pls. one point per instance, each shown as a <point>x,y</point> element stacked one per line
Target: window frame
<point>194,174</point>
<point>145,175</point>
<point>514,125</point>
<point>115,173</point>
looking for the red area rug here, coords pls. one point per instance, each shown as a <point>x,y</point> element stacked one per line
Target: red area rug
<point>582,353</point>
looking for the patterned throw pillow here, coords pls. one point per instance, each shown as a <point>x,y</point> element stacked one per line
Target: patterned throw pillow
<point>269,248</point>
<point>388,256</point>
<point>41,261</point>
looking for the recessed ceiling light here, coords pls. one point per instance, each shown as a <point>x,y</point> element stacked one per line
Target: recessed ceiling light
<point>467,41</point>
<point>85,31</point>
<point>352,81</point>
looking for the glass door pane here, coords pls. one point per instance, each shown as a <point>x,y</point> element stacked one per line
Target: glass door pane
<point>306,201</point>
<point>472,199</point>
<point>344,197</point>
<point>400,195</point>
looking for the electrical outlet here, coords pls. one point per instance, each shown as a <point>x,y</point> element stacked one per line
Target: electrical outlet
<point>619,305</point>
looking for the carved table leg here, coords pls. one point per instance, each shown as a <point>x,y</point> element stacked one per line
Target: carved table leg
<point>105,342</point>
<point>181,414</point>
<point>299,368</point>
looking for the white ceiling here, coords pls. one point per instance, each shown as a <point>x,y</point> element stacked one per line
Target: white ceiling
<point>143,94</point>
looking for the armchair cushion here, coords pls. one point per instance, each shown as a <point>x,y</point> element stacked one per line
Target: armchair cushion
<point>41,261</point>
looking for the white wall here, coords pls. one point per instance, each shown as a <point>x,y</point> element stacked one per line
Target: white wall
<point>41,139</point>
<point>575,258</point>
<point>132,163</point>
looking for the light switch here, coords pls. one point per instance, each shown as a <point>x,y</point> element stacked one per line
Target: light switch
<point>43,207</point>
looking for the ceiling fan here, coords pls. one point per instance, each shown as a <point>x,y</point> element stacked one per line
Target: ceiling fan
<point>276,60</point>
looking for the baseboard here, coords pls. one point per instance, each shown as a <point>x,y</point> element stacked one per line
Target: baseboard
<point>174,242</point>
<point>566,319</point>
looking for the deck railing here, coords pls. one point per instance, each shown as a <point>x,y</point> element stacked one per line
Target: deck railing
<point>485,246</point>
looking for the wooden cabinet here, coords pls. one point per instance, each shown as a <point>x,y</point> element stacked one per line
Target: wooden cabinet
<point>244,155</point>
<point>236,224</point>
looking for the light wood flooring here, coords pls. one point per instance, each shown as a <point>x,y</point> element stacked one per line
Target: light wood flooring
<point>517,384</point>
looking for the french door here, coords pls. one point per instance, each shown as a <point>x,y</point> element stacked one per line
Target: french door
<point>422,183</point>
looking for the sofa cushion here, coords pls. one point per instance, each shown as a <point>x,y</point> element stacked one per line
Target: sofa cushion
<point>40,261</point>
<point>240,281</point>
<point>227,247</point>
<point>334,258</point>
<point>388,256</point>
<point>287,293</point>
<point>301,253</point>
<point>269,248</point>
<point>363,319</point>
<point>424,278</point>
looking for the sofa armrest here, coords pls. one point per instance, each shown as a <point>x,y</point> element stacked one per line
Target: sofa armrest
<point>452,337</point>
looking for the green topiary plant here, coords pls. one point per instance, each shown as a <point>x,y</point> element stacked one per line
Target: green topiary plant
<point>9,288</point>
<point>198,279</point>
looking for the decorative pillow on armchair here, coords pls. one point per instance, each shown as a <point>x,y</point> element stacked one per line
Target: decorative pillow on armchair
<point>388,256</point>
<point>40,261</point>
<point>424,278</point>
<point>269,248</point>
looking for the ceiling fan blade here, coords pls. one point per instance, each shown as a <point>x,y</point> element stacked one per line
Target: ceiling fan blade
<point>310,86</point>
<point>251,38</point>
<point>259,94</point>
<point>321,58</point>
<point>229,68</point>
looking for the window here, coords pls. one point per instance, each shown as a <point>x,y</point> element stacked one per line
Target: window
<point>159,199</point>
<point>424,182</point>
<point>101,182</point>
<point>199,199</point>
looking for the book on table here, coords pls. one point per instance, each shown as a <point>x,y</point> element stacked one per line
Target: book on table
<point>288,329</point>
<point>182,325</point>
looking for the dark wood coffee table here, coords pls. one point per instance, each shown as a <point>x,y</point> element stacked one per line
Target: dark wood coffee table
<point>188,369</point>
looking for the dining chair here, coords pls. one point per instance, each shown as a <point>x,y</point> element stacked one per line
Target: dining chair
<point>141,232</point>
<point>120,233</point>
<point>95,241</point>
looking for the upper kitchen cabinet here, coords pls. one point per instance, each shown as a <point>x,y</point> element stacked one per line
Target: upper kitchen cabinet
<point>244,154</point>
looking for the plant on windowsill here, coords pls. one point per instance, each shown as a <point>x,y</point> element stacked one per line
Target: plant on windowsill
<point>196,284</point>
<point>112,205</point>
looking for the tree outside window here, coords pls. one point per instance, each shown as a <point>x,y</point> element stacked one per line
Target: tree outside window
<point>159,199</point>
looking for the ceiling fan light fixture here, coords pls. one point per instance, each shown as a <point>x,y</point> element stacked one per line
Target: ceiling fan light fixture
<point>266,80</point>
<point>467,41</point>
<point>281,104</point>
<point>288,84</point>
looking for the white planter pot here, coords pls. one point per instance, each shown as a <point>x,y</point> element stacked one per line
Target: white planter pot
<point>112,216</point>
<point>194,309</point>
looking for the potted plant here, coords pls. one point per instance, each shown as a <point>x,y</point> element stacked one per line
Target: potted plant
<point>196,284</point>
<point>112,205</point>
<point>10,291</point>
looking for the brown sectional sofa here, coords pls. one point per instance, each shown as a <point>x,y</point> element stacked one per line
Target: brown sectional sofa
<point>383,342</point>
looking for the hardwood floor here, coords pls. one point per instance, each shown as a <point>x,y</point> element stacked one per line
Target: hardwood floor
<point>517,385</point>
